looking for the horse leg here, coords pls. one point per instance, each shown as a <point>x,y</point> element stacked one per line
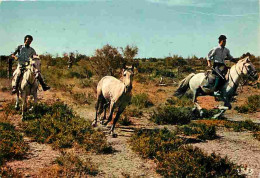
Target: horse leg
<point>94,123</point>
<point>24,104</point>
<point>111,110</point>
<point>105,113</point>
<point>120,110</point>
<point>35,99</point>
<point>196,105</point>
<point>17,107</point>
<point>223,109</point>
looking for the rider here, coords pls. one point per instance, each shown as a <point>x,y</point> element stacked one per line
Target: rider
<point>218,55</point>
<point>25,52</point>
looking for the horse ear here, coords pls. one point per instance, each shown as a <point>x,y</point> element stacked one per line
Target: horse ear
<point>247,59</point>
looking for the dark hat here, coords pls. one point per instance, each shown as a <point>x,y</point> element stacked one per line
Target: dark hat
<point>222,37</point>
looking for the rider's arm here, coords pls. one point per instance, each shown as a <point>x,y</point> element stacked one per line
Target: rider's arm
<point>210,56</point>
<point>15,52</point>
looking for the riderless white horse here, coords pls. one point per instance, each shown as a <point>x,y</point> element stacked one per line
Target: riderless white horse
<point>113,93</point>
<point>194,82</point>
<point>29,83</point>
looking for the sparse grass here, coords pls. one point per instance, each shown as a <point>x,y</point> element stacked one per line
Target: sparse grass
<point>252,105</point>
<point>12,144</point>
<point>172,115</point>
<point>60,127</point>
<point>141,101</point>
<point>174,159</point>
<point>202,131</point>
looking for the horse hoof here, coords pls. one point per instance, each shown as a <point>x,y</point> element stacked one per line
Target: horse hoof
<point>114,135</point>
<point>17,108</point>
<point>201,113</point>
<point>102,122</point>
<point>94,124</point>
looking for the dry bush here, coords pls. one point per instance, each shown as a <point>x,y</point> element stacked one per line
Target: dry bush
<point>141,101</point>
<point>201,131</point>
<point>12,144</point>
<point>58,126</point>
<point>172,115</point>
<point>174,159</point>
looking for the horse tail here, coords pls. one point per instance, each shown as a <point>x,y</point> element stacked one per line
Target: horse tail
<point>183,86</point>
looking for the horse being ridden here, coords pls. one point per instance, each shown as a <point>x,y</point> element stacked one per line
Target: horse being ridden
<point>195,82</point>
<point>113,93</point>
<point>29,83</point>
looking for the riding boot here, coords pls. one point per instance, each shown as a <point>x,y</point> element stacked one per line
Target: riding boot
<point>43,84</point>
<point>216,83</point>
<point>216,93</point>
<point>16,84</point>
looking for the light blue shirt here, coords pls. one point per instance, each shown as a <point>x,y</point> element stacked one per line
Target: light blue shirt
<point>24,54</point>
<point>219,55</point>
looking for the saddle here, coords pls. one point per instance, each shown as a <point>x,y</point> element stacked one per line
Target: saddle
<point>210,77</point>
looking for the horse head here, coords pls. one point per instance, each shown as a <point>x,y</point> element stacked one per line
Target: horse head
<point>247,68</point>
<point>128,73</point>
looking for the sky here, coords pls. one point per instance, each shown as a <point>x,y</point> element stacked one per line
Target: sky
<point>159,28</point>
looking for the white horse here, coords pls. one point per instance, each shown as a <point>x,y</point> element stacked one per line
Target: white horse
<point>114,93</point>
<point>28,84</point>
<point>194,82</point>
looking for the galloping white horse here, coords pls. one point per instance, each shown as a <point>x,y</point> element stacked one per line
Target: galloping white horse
<point>28,84</point>
<point>114,93</point>
<point>228,89</point>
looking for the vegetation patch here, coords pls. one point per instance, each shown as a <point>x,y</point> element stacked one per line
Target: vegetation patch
<point>174,159</point>
<point>172,115</point>
<point>133,112</point>
<point>60,127</point>
<point>141,101</point>
<point>184,101</point>
<point>201,131</point>
<point>252,105</point>
<point>243,125</point>
<point>12,144</point>
<point>70,165</point>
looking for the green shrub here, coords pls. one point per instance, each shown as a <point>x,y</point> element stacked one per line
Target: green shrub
<point>192,162</point>
<point>60,127</point>
<point>243,125</point>
<point>174,159</point>
<point>172,115</point>
<point>141,101</point>
<point>184,101</point>
<point>149,143</point>
<point>202,131</point>
<point>12,144</point>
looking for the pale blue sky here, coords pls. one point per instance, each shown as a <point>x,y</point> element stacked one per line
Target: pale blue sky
<point>159,28</point>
